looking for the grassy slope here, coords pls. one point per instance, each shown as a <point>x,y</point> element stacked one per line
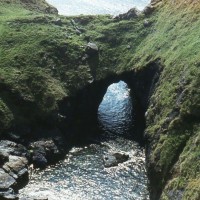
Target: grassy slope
<point>36,57</point>
<point>41,63</point>
<point>174,112</point>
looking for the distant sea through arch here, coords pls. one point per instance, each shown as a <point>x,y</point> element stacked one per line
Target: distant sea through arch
<point>95,7</point>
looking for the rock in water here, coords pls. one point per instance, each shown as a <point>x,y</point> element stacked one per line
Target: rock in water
<point>6,181</point>
<point>8,195</point>
<point>114,159</point>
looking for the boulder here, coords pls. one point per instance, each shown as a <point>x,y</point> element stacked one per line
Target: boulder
<point>121,157</point>
<point>46,151</point>
<point>92,49</point>
<point>39,160</point>
<point>12,148</point>
<point>3,157</point>
<point>148,10</point>
<point>147,23</point>
<point>57,22</point>
<point>17,167</point>
<point>8,195</point>
<point>114,159</point>
<point>6,181</point>
<point>132,13</point>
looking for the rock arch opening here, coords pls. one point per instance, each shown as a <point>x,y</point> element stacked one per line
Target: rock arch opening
<point>115,111</point>
<point>81,110</point>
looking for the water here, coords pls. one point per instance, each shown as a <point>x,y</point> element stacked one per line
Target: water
<point>82,175</point>
<point>93,7</point>
<point>115,111</point>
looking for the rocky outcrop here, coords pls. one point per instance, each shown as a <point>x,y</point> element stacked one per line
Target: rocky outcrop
<point>13,168</point>
<point>132,13</point>
<point>92,49</point>
<point>113,159</point>
<point>46,151</point>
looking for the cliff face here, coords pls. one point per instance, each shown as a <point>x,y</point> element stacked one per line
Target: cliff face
<point>46,60</point>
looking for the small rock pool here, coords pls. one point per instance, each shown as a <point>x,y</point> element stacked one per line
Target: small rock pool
<point>83,175</point>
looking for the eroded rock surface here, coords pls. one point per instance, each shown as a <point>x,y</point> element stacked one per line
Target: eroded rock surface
<point>13,168</point>
<point>132,13</point>
<point>114,159</point>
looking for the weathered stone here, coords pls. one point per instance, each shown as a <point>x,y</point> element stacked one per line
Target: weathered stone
<point>132,13</point>
<point>121,157</point>
<point>12,148</point>
<point>8,195</point>
<point>6,181</point>
<point>3,157</point>
<point>147,23</point>
<point>57,22</point>
<point>78,32</point>
<point>39,160</point>
<point>92,49</point>
<point>114,159</point>
<point>148,10</point>
<point>110,161</point>
<point>16,167</point>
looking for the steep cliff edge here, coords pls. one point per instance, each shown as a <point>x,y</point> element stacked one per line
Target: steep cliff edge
<point>45,61</point>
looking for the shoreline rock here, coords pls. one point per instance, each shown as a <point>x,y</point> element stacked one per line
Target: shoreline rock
<point>114,159</point>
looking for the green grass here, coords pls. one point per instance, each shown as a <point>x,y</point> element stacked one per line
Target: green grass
<point>41,63</point>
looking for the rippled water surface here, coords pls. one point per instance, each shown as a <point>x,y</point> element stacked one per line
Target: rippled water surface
<point>113,7</point>
<point>82,175</point>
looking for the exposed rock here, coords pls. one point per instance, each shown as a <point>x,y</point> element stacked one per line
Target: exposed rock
<point>73,22</point>
<point>148,10</point>
<point>14,172</point>
<point>114,159</point>
<point>17,167</point>
<point>121,157</point>
<point>51,10</point>
<point>12,148</point>
<point>8,195</point>
<point>92,49</point>
<point>132,13</point>
<point>6,181</point>
<point>46,151</point>
<point>58,22</point>
<point>155,2</point>
<point>3,157</point>
<point>78,32</point>
<point>39,160</point>
<point>147,23</point>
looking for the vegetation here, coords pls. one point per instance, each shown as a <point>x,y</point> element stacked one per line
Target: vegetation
<point>42,61</point>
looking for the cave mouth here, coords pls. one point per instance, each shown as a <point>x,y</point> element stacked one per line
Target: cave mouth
<point>120,113</point>
<point>115,112</point>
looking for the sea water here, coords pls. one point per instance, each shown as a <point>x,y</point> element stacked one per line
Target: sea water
<point>93,7</point>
